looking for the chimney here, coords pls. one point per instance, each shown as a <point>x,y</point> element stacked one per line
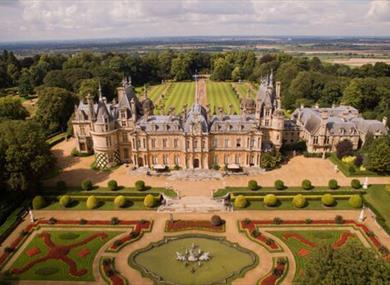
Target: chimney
<point>220,113</point>
<point>302,106</point>
<point>133,110</point>
<point>384,121</point>
<point>92,115</point>
<point>278,89</point>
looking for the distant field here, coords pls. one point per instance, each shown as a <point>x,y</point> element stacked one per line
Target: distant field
<point>179,94</point>
<point>355,62</point>
<point>221,94</point>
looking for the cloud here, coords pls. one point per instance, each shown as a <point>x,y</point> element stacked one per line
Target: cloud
<point>67,19</point>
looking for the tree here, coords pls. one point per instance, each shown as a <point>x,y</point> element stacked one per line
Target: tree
<point>25,156</point>
<point>378,156</point>
<point>55,106</point>
<point>344,148</point>
<point>236,74</point>
<point>222,70</point>
<point>25,84</point>
<point>149,201</point>
<point>11,108</point>
<point>269,160</point>
<point>89,86</point>
<point>350,264</point>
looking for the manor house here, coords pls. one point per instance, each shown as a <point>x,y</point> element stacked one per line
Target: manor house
<point>127,130</point>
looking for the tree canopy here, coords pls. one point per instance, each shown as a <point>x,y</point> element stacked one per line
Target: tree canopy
<point>11,108</point>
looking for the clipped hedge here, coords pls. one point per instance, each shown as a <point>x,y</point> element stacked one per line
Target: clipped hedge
<point>356,201</point>
<point>252,185</point>
<point>112,185</point>
<point>65,201</point>
<point>86,185</point>
<point>332,184</point>
<point>240,202</point>
<point>91,202</point>
<point>140,185</point>
<point>279,184</point>
<point>299,201</point>
<point>120,201</point>
<point>355,184</point>
<point>149,201</point>
<point>270,200</point>
<point>38,202</point>
<point>306,184</point>
<point>328,200</point>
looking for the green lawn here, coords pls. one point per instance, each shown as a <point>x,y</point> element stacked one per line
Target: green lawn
<point>55,269</point>
<point>320,237</point>
<point>227,261</point>
<point>379,197</point>
<point>243,88</point>
<point>181,93</point>
<point>155,91</point>
<point>221,94</point>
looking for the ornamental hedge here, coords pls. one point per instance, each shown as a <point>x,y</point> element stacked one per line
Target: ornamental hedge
<point>328,200</point>
<point>356,201</point>
<point>149,201</point>
<point>252,185</point>
<point>38,202</point>
<point>112,185</point>
<point>65,201</point>
<point>306,184</point>
<point>140,185</point>
<point>270,200</point>
<point>120,201</point>
<point>299,201</point>
<point>91,202</point>
<point>240,202</point>
<point>86,184</point>
<point>355,184</point>
<point>332,184</point>
<point>279,184</point>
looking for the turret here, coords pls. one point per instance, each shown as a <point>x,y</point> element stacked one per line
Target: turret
<point>91,111</point>
<point>133,110</point>
<point>278,98</point>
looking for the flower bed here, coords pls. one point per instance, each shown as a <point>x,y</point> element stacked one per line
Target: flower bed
<point>250,228</point>
<point>250,225</point>
<point>110,275</point>
<point>278,272</point>
<point>140,226</point>
<point>187,225</point>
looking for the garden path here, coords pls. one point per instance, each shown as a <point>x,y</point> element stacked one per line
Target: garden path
<point>202,92</point>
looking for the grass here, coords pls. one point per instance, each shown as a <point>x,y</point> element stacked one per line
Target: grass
<point>227,262</point>
<point>221,94</point>
<point>56,269</point>
<point>346,168</point>
<point>182,93</point>
<point>155,91</point>
<point>320,237</point>
<point>243,88</point>
<point>10,222</point>
<point>56,139</point>
<point>379,198</point>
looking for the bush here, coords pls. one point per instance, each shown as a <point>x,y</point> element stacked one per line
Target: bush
<point>112,185</point>
<point>299,201</point>
<point>270,200</point>
<point>308,221</point>
<point>277,221</point>
<point>61,185</point>
<point>216,167</point>
<point>86,184</point>
<point>91,202</point>
<point>356,201</point>
<point>149,201</point>
<point>328,200</point>
<point>65,201</point>
<point>306,184</point>
<point>120,201</point>
<point>83,221</point>
<point>351,169</point>
<point>252,185</point>
<point>279,184</point>
<point>134,234</point>
<point>358,161</point>
<point>344,148</point>
<point>38,202</point>
<point>140,185</point>
<point>339,220</point>
<point>240,202</point>
<point>52,221</point>
<point>332,184</point>
<point>216,220</point>
<point>355,184</point>
<point>255,233</point>
<point>114,221</point>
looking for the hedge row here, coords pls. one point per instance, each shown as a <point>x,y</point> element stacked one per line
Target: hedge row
<point>379,218</point>
<point>289,193</point>
<point>289,197</point>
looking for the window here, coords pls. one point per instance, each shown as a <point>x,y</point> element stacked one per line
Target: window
<point>144,143</point>
<point>138,143</point>
<point>165,159</point>
<point>327,140</point>
<point>82,131</point>
<point>252,143</point>
<point>238,143</point>
<point>215,141</point>
<point>124,138</point>
<point>176,159</point>
<point>267,112</point>
<point>315,140</point>
<point>123,114</point>
<point>187,144</point>
<point>215,159</point>
<point>164,143</point>
<point>83,147</point>
<point>203,143</point>
<point>237,159</point>
<point>154,159</point>
<point>266,123</point>
<point>195,143</point>
<point>226,159</point>
<point>153,143</point>
<point>175,143</point>
<point>226,142</point>
<point>108,141</point>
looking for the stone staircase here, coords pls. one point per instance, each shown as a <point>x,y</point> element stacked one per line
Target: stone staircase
<point>192,204</point>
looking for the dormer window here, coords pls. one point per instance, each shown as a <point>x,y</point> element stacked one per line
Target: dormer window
<point>123,114</point>
<point>230,127</point>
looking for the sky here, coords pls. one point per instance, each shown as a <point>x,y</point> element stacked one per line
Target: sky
<point>26,20</point>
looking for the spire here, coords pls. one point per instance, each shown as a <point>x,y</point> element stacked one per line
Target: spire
<point>271,77</point>
<point>100,92</point>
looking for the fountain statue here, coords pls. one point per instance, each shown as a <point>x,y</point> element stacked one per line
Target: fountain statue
<point>193,254</point>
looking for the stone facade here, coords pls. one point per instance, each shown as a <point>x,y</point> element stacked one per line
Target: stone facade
<point>126,130</point>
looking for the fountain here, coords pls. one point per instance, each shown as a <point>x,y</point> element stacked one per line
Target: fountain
<point>193,255</point>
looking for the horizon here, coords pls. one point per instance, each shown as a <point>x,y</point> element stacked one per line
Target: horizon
<point>59,20</point>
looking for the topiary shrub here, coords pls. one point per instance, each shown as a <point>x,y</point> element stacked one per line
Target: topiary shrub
<point>240,202</point>
<point>115,221</point>
<point>83,221</point>
<point>332,184</point>
<point>139,185</point>
<point>270,200</point>
<point>65,201</point>
<point>306,184</point>
<point>355,184</point>
<point>216,220</point>
<point>61,185</point>
<point>91,202</point>
<point>308,221</point>
<point>112,185</point>
<point>299,201</point>
<point>279,184</point>
<point>38,202</point>
<point>277,221</point>
<point>252,185</point>
<point>356,201</point>
<point>328,200</point>
<point>120,201</point>
<point>86,184</point>
<point>149,201</point>
<point>339,220</point>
